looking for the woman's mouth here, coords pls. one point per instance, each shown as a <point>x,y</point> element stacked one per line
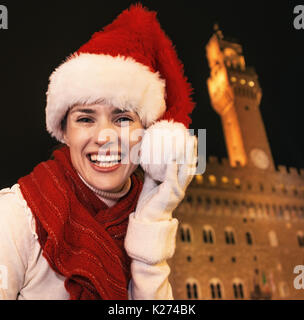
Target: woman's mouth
<point>104,161</point>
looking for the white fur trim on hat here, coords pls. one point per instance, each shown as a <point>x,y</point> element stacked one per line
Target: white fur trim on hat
<point>118,81</point>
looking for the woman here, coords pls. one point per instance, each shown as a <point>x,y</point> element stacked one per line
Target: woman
<point>85,225</point>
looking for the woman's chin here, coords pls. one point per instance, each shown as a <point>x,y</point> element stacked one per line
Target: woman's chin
<point>110,186</point>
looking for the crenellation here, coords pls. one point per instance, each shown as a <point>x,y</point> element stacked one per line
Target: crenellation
<point>293,171</point>
<point>282,169</point>
<point>225,162</point>
<point>213,159</point>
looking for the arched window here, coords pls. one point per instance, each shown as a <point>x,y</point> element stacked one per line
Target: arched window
<point>267,209</point>
<point>185,233</point>
<point>208,234</point>
<point>229,236</point>
<point>273,238</point>
<point>192,289</point>
<point>238,289</point>
<point>216,289</point>
<point>249,238</point>
<point>189,199</point>
<point>199,199</point>
<point>300,237</point>
<point>182,234</point>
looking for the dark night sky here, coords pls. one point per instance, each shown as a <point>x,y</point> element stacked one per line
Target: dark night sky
<point>41,35</point>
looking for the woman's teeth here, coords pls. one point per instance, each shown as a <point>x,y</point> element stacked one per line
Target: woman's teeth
<point>105,161</point>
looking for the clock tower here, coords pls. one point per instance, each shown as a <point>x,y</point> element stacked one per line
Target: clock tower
<point>235,95</point>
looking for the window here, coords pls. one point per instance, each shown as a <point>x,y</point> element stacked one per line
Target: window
<point>225,180</point>
<point>283,188</point>
<point>235,203</point>
<point>281,211</point>
<point>267,209</point>
<point>251,84</point>
<point>208,234</point>
<point>229,236</point>
<point>216,289</point>
<point>238,290</point>
<point>261,187</point>
<point>212,180</point>
<point>300,237</point>
<point>208,203</point>
<point>248,238</point>
<point>185,233</point>
<point>189,199</point>
<point>237,183</point>
<point>233,79</point>
<point>199,199</point>
<point>273,238</point>
<point>294,190</point>
<point>192,289</point>
<point>199,179</point>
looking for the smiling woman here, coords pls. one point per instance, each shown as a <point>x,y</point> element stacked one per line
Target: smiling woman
<point>84,224</point>
<point>99,137</point>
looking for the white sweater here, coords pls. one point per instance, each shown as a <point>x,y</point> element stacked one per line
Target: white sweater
<point>26,275</point>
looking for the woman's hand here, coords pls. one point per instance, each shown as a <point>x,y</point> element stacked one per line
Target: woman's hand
<point>152,231</point>
<point>158,199</point>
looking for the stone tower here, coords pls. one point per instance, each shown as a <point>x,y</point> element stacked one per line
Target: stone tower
<point>235,95</point>
<point>241,223</point>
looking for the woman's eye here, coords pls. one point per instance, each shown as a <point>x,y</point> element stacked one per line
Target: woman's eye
<point>84,120</point>
<point>124,120</point>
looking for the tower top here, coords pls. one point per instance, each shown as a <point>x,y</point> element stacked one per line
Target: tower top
<point>218,31</point>
<point>235,94</point>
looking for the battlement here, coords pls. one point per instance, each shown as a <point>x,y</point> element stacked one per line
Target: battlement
<point>280,169</point>
<point>219,161</point>
<point>292,171</point>
<point>212,159</point>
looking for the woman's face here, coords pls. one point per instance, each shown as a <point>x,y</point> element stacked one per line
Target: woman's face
<point>101,139</point>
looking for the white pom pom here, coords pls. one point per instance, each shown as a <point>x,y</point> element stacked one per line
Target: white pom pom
<point>163,142</point>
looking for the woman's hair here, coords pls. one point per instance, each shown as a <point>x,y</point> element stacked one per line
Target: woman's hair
<point>63,122</point>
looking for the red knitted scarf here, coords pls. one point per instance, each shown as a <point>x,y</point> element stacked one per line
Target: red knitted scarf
<point>82,239</point>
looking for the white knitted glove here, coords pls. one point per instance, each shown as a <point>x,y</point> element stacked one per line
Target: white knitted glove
<point>152,221</point>
<point>158,200</point>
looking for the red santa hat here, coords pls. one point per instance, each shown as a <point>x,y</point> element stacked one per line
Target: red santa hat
<point>130,64</point>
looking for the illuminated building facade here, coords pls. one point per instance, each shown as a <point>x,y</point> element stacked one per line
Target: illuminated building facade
<point>241,231</point>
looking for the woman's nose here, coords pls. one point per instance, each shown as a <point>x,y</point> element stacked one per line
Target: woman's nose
<point>105,134</point>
